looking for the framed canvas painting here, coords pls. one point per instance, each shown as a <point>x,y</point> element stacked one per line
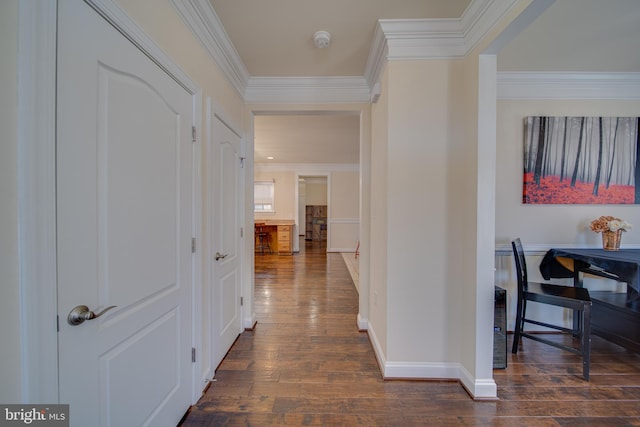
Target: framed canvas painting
<point>581,160</point>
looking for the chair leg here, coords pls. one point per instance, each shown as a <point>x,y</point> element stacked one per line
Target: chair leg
<point>586,341</point>
<point>518,328</point>
<point>578,323</point>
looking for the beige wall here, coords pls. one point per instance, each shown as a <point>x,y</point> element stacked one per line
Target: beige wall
<point>423,211</point>
<point>316,193</point>
<point>284,194</point>
<point>344,189</point>
<point>420,126</point>
<point>542,226</point>
<point>462,208</point>
<point>344,213</point>
<point>378,312</point>
<point>10,367</point>
<point>549,224</point>
<point>425,228</point>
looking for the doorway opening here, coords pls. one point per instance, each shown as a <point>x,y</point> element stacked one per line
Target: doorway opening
<point>313,208</point>
<point>315,146</point>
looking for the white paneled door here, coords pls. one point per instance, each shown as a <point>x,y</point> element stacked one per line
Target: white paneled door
<point>225,238</point>
<point>124,225</point>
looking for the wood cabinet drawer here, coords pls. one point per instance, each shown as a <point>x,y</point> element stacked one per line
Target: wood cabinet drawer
<point>284,236</point>
<point>284,233</point>
<point>284,239</point>
<point>284,248</point>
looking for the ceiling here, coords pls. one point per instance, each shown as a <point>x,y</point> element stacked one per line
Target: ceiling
<point>307,138</point>
<point>275,39</point>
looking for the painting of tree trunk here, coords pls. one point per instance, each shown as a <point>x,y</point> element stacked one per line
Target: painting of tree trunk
<point>581,160</point>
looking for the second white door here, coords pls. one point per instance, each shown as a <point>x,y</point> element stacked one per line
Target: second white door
<point>225,259</point>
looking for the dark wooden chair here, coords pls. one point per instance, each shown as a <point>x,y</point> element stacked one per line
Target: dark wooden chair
<point>262,238</point>
<point>574,298</point>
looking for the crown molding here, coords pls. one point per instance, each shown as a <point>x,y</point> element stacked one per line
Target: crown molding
<point>307,168</point>
<point>203,22</point>
<point>568,85</point>
<point>424,39</point>
<point>480,17</point>
<point>316,90</point>
<point>413,39</point>
<point>394,39</point>
<point>409,39</point>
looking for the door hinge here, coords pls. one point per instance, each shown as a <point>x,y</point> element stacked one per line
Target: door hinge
<point>193,245</point>
<point>241,301</point>
<point>242,162</point>
<point>58,323</point>
<point>193,134</point>
<point>241,231</point>
<point>193,355</point>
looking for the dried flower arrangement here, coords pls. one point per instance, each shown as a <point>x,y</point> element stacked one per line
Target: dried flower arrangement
<point>609,223</point>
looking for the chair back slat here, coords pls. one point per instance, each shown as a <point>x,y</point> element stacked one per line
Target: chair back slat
<point>521,264</point>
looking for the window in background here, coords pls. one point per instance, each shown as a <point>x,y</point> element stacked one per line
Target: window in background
<point>263,196</point>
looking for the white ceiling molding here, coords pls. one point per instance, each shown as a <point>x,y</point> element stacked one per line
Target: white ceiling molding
<point>423,39</point>
<point>568,85</point>
<point>377,57</point>
<point>480,17</point>
<point>206,26</point>
<point>300,90</point>
<point>307,168</point>
<point>393,40</point>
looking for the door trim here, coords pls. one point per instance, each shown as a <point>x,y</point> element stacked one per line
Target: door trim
<point>37,27</point>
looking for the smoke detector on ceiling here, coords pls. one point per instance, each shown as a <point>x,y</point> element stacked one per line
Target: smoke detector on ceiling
<point>321,39</point>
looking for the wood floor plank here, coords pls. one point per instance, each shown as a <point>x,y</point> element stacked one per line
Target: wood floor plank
<point>306,364</point>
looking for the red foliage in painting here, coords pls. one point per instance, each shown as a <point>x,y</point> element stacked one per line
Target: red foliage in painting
<point>552,191</point>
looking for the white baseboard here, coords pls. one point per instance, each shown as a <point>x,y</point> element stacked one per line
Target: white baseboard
<point>422,370</point>
<point>479,389</point>
<point>377,350</point>
<point>363,323</point>
<point>250,322</point>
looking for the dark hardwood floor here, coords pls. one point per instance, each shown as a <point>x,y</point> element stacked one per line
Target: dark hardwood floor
<point>307,364</point>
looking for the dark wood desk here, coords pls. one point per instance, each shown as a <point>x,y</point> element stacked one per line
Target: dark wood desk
<point>615,316</point>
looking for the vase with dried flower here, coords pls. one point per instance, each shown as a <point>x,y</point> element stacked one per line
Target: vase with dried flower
<point>611,229</point>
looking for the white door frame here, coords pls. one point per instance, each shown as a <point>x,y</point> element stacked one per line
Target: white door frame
<point>37,25</point>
